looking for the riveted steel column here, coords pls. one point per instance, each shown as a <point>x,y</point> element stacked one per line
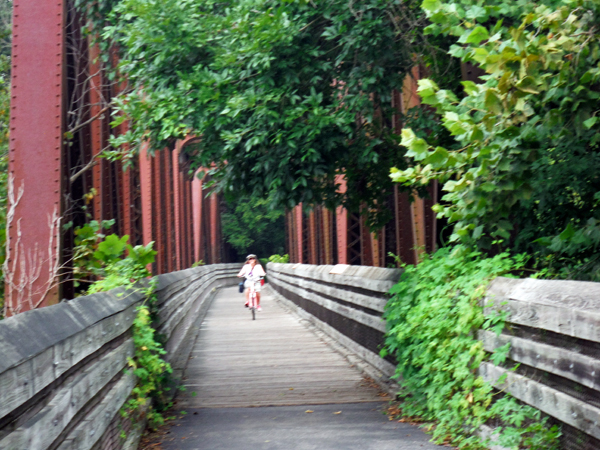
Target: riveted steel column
<point>171,177</point>
<point>96,131</point>
<point>197,208</point>
<point>327,243</point>
<point>289,229</point>
<point>405,236</point>
<point>145,164</point>
<point>35,154</point>
<point>189,224</point>
<point>342,224</point>
<point>410,99</point>
<point>177,204</point>
<point>312,238</point>
<point>299,235</point>
<point>214,239</point>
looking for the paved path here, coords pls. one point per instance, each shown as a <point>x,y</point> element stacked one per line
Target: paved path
<point>238,364</point>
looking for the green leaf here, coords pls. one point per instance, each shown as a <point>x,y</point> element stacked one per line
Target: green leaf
<point>590,122</point>
<point>470,87</point>
<point>529,85</point>
<point>567,233</point>
<point>477,35</point>
<point>438,158</point>
<point>431,5</point>
<point>492,102</point>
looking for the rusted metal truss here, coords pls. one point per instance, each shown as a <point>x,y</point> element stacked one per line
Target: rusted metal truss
<point>60,123</point>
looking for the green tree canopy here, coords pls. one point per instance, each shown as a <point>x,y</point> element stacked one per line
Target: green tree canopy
<point>250,225</point>
<point>284,94</point>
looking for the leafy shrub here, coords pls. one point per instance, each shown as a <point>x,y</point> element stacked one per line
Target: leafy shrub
<point>433,317</point>
<point>117,264</point>
<point>527,137</point>
<point>280,259</point>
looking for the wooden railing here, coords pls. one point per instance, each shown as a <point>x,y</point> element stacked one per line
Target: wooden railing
<point>344,302</point>
<point>554,334</point>
<point>62,368</point>
<point>553,328</point>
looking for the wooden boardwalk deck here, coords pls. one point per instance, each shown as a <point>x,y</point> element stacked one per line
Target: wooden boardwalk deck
<point>272,361</point>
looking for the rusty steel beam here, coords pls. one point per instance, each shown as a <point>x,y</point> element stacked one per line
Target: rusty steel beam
<point>214,239</point>
<point>289,235</point>
<point>197,214</point>
<point>35,154</point>
<point>177,203</point>
<point>327,242</point>
<point>405,234</point>
<point>312,238</point>
<point>189,222</point>
<point>158,206</point>
<point>188,235</point>
<point>342,224</point>
<point>96,129</point>
<point>145,165</point>
<point>299,235</point>
<point>127,204</point>
<point>167,182</point>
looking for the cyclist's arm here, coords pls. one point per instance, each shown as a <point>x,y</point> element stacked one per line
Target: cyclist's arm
<point>243,272</point>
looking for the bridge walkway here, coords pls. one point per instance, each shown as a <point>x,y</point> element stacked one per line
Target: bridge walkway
<point>310,396</point>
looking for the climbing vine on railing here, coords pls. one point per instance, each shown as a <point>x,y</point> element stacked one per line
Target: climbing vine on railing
<point>118,264</point>
<point>433,318</point>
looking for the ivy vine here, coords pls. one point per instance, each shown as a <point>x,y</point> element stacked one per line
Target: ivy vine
<point>115,264</point>
<point>433,317</point>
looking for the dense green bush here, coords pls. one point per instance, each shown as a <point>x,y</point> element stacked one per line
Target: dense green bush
<point>526,155</point>
<point>432,319</point>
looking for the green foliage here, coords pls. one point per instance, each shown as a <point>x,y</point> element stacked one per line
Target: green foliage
<point>433,318</point>
<point>119,265</point>
<point>148,366</point>
<point>122,271</point>
<point>527,136</point>
<point>284,94</point>
<point>252,225</point>
<point>283,259</point>
<point>85,266</point>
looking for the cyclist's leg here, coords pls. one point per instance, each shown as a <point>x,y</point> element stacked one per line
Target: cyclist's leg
<point>247,292</point>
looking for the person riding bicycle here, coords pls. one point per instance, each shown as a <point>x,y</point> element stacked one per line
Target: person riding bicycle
<point>253,272</point>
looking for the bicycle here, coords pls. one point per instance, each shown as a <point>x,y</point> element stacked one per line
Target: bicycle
<point>252,306</point>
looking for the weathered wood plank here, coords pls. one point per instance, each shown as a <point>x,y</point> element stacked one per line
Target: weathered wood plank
<point>44,428</point>
<point>374,322</point>
<point>28,334</point>
<point>240,362</point>
<point>376,279</point>
<point>565,408</point>
<point>558,319</point>
<point>559,361</point>
<point>172,311</point>
<point>365,301</point>
<point>373,359</point>
<point>567,307</point>
<point>87,433</point>
<point>19,384</point>
<point>581,295</point>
